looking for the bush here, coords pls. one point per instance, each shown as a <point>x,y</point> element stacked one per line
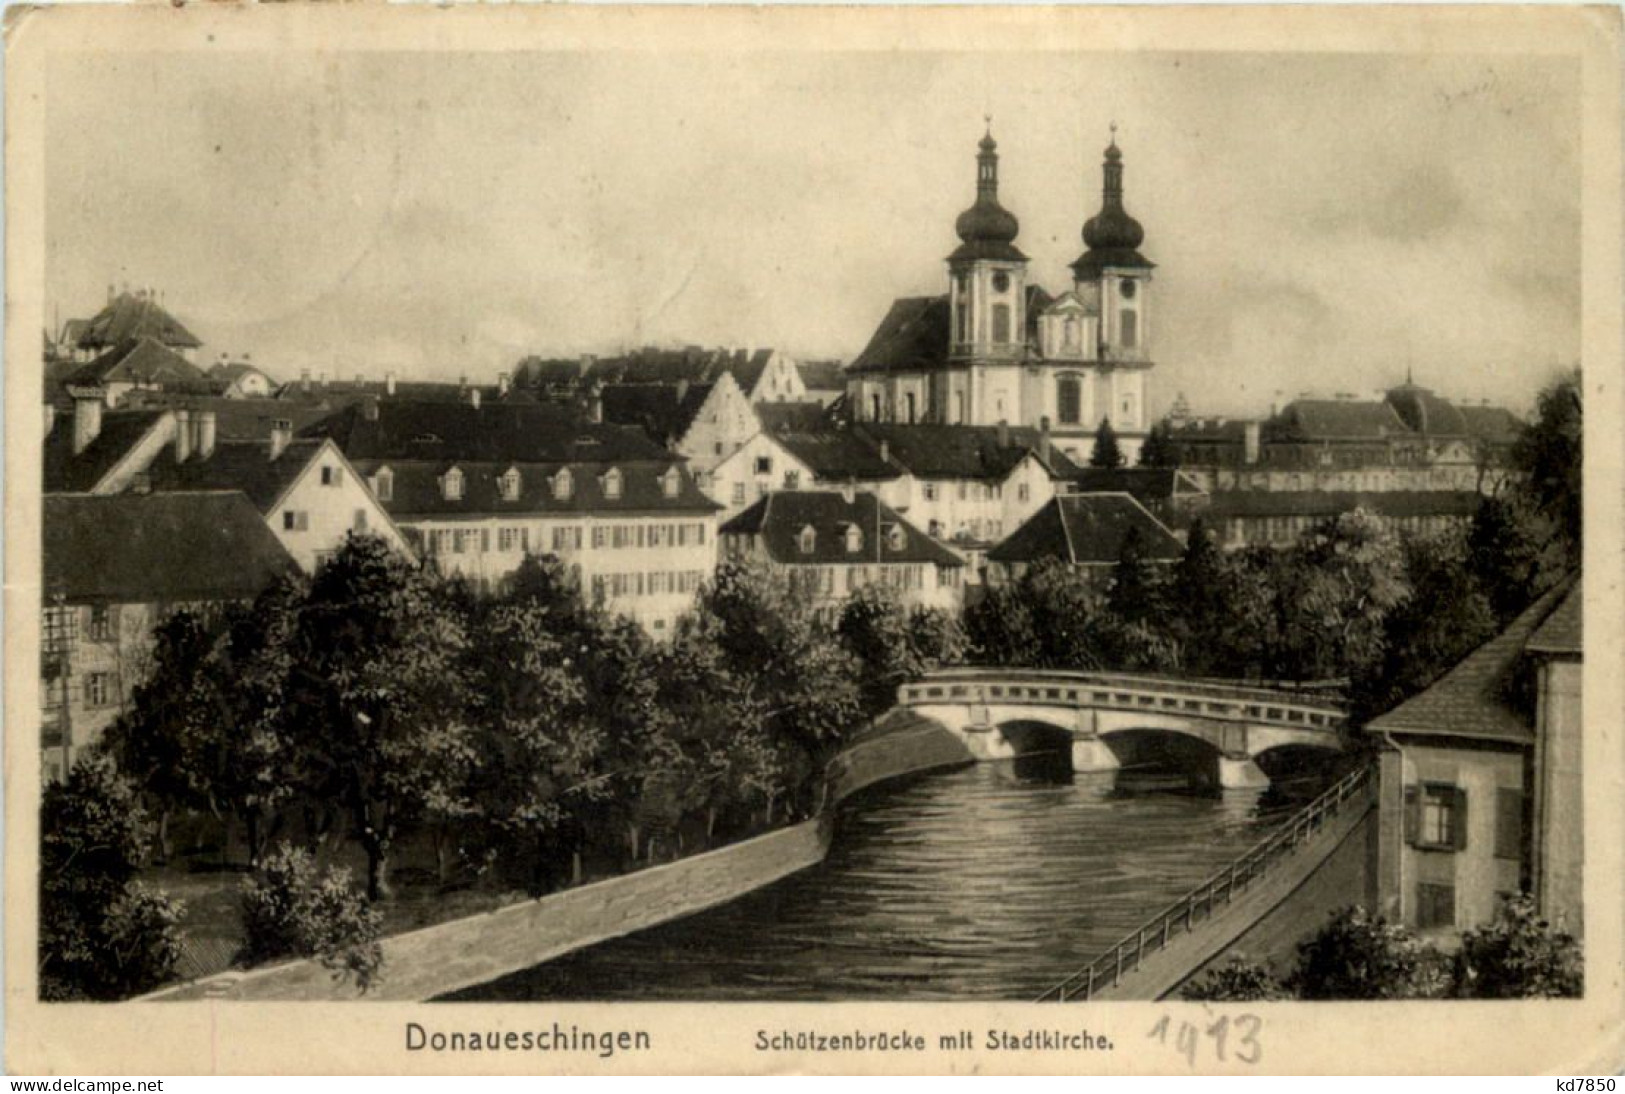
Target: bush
<point>1517,956</point>
<point>1362,956</point>
<point>1236,981</point>
<point>102,936</point>
<point>289,910</point>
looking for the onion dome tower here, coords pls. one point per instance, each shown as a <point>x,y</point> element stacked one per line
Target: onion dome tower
<point>987,277</point>
<point>1112,236</point>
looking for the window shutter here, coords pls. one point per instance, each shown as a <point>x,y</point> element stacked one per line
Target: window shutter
<point>1413,815</point>
<point>1458,818</point>
<point>1509,823</point>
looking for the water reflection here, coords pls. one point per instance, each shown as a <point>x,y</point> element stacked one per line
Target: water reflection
<point>989,882</point>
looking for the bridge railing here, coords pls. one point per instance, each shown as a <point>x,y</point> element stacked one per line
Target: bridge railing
<point>1300,695</point>
<point>1202,902</point>
<point>1125,692</point>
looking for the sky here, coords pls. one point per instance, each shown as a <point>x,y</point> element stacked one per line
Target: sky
<point>1320,223</point>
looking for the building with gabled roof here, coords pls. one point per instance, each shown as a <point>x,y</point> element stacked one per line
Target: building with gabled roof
<point>996,348</point>
<point>133,316</point>
<point>100,451</point>
<point>1168,493</point>
<point>828,544</point>
<point>1481,779</point>
<point>704,422</point>
<point>134,364</point>
<point>1085,532</point>
<point>113,568</point>
<point>241,380</point>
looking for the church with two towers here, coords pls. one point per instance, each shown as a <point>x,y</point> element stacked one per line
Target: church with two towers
<point>998,349</point>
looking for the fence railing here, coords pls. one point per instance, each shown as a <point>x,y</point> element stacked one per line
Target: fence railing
<point>1199,905</point>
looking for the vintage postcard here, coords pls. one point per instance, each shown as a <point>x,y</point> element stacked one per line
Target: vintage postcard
<point>642,540</point>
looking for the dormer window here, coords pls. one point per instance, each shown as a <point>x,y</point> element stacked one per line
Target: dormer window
<point>451,485</point>
<point>894,536</point>
<point>508,484</point>
<point>383,484</point>
<point>612,483</point>
<point>671,482</point>
<point>808,540</point>
<point>854,539</point>
<point>564,484</point>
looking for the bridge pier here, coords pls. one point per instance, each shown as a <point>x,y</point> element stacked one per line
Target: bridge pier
<point>1090,754</point>
<point>1240,772</point>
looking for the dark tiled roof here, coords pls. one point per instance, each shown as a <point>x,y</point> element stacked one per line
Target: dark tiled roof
<point>237,465</point>
<point>1144,484</point>
<point>335,393</point>
<point>1338,419</point>
<point>142,548</point>
<point>236,419</point>
<point>129,316</point>
<point>141,360</point>
<point>914,334</point>
<point>1087,529</point>
<point>663,411</point>
<point>417,490</point>
<point>838,455</point>
<point>1330,503</point>
<point>506,433</point>
<point>1477,698</point>
<point>1425,412</point>
<point>996,250</point>
<point>1225,430</point>
<point>779,518</point>
<point>549,372</point>
<point>823,375</point>
<point>655,366</point>
<point>1491,423</point>
<point>230,371</point>
<point>745,367</point>
<point>1561,631</point>
<point>959,451</point>
<point>794,417</point>
<point>121,430</point>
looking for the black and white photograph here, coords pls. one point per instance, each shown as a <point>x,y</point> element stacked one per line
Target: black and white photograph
<point>787,517</point>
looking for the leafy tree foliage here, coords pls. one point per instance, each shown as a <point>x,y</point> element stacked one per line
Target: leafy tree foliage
<point>1519,955</point>
<point>891,643</point>
<point>1106,452</point>
<point>1549,453</point>
<point>102,935</point>
<point>1158,449</point>
<point>1358,955</point>
<point>1238,980</point>
<point>290,910</point>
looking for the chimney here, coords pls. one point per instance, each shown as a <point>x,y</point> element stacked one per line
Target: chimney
<point>595,402</point>
<point>369,408</point>
<point>389,383</point>
<point>360,380</point>
<point>1250,439</point>
<point>682,389</point>
<point>87,416</point>
<point>504,383</point>
<point>1004,433</point>
<point>885,452</point>
<point>474,397</point>
<point>462,381</point>
<point>183,435</point>
<point>321,379</point>
<point>281,437</point>
<point>304,379</point>
<point>204,420</point>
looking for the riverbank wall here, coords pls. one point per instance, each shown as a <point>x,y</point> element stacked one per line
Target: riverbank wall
<point>447,957</point>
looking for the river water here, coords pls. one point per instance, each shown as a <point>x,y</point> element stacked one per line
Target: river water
<point>990,882</point>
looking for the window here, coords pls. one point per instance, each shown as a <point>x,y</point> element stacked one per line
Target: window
<point>1510,823</point>
<point>929,491</point>
<point>359,523</point>
<point>792,480</point>
<point>1001,323</point>
<point>383,484</point>
<point>671,482</point>
<point>567,539</point>
<point>564,484</point>
<point>894,537</point>
<point>764,465</point>
<point>1022,491</point>
<point>100,627</point>
<point>330,475</point>
<point>1435,905</point>
<point>508,539</point>
<point>716,449</point>
<point>808,540</point>
<point>295,520</point>
<point>739,493</point>
<point>1436,817</point>
<point>600,538</point>
<point>98,689</point>
<point>508,484</point>
<point>1001,282</point>
<point>323,558</point>
<point>908,401</point>
<point>1069,337</point>
<point>1128,328</point>
<point>874,408</point>
<point>959,408</point>
<point>1069,400</point>
<point>612,483</point>
<point>451,485</point>
<point>854,539</point>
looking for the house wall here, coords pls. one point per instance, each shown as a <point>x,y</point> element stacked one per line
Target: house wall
<point>1559,806</point>
<point>978,511</point>
<point>725,422</point>
<point>330,511</point>
<point>780,381</point>
<point>741,479</point>
<point>117,658</point>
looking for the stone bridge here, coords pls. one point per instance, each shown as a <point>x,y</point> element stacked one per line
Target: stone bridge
<point>1109,720</point>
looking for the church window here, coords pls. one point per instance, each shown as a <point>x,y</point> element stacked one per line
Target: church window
<point>909,400</point>
<point>874,408</point>
<point>1127,289</point>
<point>1069,400</point>
<point>1070,337</point>
<point>962,313</point>
<point>1001,323</point>
<point>959,408</point>
<point>1001,282</point>
<point>1129,324</point>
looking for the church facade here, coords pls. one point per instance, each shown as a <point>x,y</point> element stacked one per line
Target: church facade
<point>997,349</point>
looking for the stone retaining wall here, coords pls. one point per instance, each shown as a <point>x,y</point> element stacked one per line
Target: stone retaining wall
<point>446,957</point>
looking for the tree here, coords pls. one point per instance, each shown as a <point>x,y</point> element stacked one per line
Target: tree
<point>1238,980</point>
<point>1502,554</point>
<point>1339,583</point>
<point>1065,609</point>
<point>892,644</point>
<point>1549,453</point>
<point>1198,589</point>
<point>101,934</point>
<point>377,661</point>
<point>999,627</point>
<point>1106,453</point>
<point>291,910</point>
<point>1519,955</point>
<point>1158,449</point>
<point>1362,956</point>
